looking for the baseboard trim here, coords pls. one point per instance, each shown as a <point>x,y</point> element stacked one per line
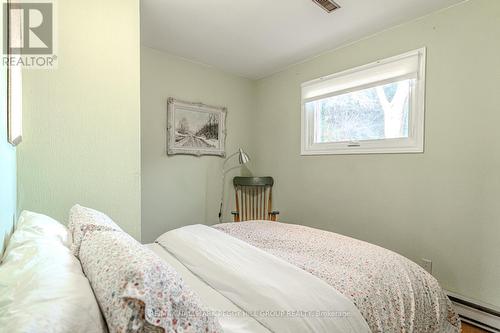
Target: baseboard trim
<point>475,313</point>
<point>477,324</point>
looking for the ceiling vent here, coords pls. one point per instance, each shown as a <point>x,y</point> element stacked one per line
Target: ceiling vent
<point>327,5</point>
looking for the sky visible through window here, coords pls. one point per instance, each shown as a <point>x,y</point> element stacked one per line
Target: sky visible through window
<point>376,113</point>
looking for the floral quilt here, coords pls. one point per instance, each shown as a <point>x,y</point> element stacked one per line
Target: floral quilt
<point>392,293</point>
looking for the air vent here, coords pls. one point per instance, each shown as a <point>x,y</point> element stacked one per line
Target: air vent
<point>327,5</point>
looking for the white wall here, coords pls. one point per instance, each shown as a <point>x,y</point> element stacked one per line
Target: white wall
<point>182,190</point>
<point>443,204</point>
<point>82,120</point>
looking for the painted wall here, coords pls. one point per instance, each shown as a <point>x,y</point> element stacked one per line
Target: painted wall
<point>82,120</point>
<point>7,164</point>
<point>443,204</point>
<point>181,190</point>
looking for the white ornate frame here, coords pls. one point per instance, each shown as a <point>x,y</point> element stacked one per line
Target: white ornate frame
<point>172,106</point>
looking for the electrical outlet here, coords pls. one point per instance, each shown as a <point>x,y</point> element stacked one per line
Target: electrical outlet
<point>427,265</point>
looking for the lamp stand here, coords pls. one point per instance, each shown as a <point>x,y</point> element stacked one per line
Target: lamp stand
<point>243,159</point>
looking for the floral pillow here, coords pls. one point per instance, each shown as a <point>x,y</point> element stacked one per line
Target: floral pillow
<point>137,291</point>
<point>82,219</point>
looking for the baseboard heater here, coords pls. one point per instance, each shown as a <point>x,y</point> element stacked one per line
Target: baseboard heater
<point>475,313</point>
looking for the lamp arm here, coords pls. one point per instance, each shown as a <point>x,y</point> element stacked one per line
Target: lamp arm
<point>232,168</point>
<point>227,160</point>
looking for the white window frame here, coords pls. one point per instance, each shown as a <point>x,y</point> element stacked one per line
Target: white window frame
<point>413,144</point>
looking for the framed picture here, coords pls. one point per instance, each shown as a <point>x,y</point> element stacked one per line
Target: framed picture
<point>14,77</point>
<point>195,129</point>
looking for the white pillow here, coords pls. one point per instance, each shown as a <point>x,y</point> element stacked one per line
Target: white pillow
<point>32,226</point>
<point>42,286</point>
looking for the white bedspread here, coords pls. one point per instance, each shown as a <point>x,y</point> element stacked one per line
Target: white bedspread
<point>226,311</point>
<point>281,296</point>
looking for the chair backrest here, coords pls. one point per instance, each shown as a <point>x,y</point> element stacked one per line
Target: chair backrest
<point>254,198</point>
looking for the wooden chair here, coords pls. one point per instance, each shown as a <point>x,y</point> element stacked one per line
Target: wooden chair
<point>254,199</point>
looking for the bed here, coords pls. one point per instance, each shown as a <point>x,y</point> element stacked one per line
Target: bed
<point>247,277</point>
<point>391,293</point>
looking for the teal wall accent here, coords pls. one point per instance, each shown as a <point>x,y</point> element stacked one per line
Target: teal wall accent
<point>7,166</point>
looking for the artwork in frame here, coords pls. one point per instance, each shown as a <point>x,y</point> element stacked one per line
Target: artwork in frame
<point>195,129</point>
<point>14,77</point>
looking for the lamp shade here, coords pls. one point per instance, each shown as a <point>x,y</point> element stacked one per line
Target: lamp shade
<point>243,157</point>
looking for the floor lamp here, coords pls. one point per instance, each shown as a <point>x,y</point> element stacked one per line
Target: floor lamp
<point>243,158</point>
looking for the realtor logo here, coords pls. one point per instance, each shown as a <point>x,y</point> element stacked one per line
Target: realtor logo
<point>35,27</point>
<point>28,32</point>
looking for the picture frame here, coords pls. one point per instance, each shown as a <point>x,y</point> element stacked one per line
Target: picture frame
<point>195,128</point>
<point>14,77</point>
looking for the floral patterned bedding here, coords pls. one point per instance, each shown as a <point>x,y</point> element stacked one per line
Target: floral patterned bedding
<point>82,219</point>
<point>137,291</point>
<point>392,293</point>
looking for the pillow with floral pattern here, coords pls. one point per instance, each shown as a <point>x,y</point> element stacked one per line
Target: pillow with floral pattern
<point>136,290</point>
<point>82,219</point>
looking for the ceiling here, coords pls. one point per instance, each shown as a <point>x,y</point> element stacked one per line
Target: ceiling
<point>255,38</point>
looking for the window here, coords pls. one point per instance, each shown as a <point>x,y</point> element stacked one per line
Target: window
<point>376,108</point>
